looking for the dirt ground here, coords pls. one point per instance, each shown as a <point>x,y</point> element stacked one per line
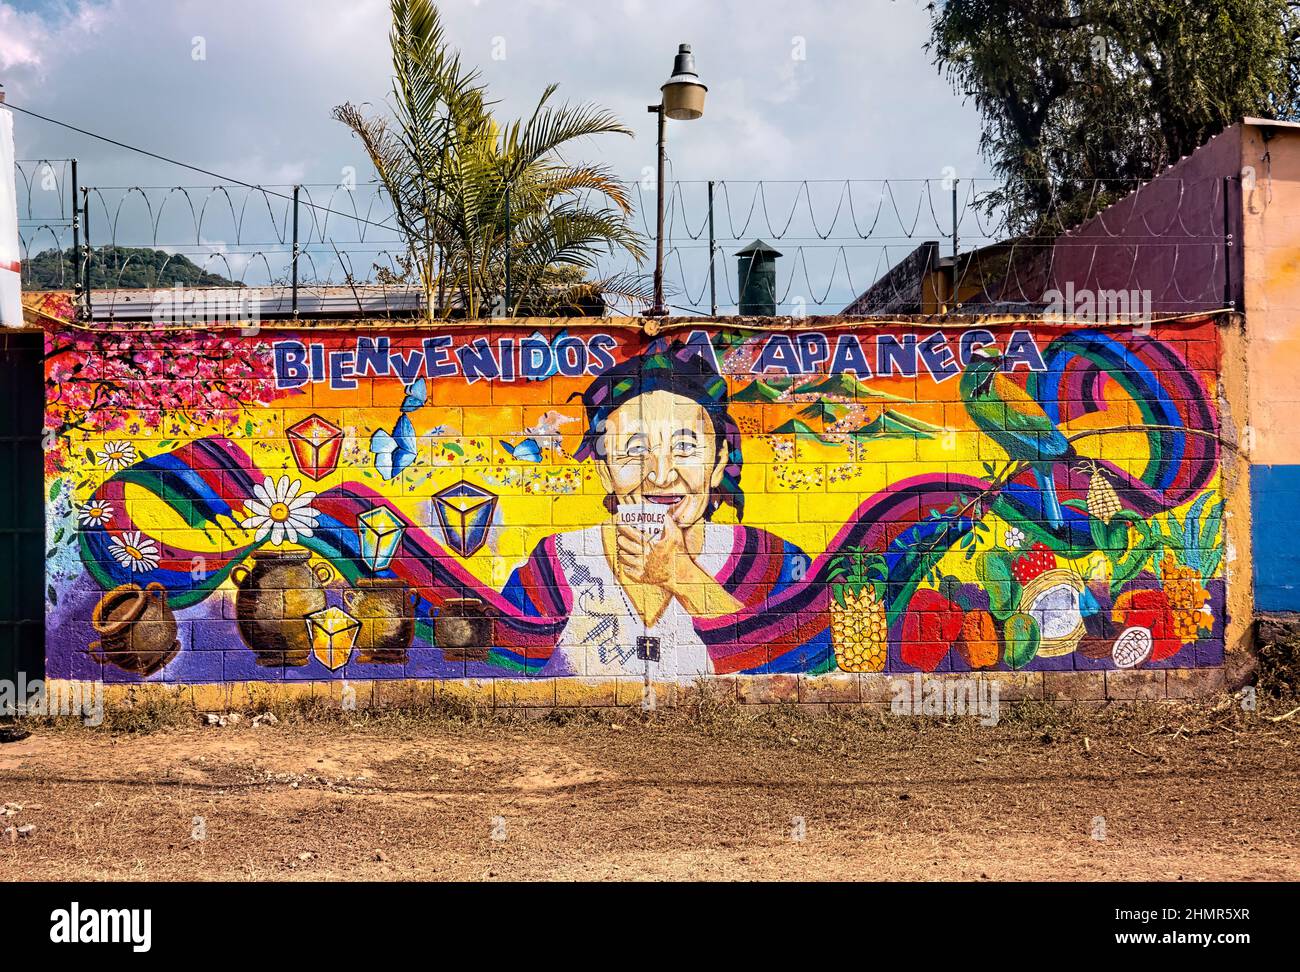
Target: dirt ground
<point>1194,793</point>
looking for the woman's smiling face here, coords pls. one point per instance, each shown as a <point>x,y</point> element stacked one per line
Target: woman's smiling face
<point>661,448</point>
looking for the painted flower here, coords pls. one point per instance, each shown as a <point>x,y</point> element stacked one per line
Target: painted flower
<point>280,512</point>
<point>95,513</point>
<point>135,550</point>
<point>116,455</point>
<point>1014,538</point>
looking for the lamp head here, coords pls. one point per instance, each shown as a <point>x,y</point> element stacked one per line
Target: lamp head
<point>683,93</point>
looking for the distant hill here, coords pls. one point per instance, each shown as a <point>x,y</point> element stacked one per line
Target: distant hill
<point>795,427</point>
<point>120,267</point>
<point>846,386</point>
<point>760,390</point>
<point>892,424</point>
<point>826,411</point>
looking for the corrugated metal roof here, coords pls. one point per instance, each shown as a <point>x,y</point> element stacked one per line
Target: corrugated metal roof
<point>275,303</point>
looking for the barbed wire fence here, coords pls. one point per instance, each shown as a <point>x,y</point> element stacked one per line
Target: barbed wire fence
<point>840,240</point>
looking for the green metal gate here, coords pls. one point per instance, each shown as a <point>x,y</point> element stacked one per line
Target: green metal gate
<point>22,512</point>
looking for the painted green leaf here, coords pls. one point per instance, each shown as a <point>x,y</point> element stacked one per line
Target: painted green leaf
<point>1128,567</point>
<point>56,487</point>
<point>994,572</point>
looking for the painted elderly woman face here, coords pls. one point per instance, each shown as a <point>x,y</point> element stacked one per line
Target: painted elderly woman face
<point>661,448</point>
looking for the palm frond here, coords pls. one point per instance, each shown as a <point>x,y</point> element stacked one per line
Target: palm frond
<point>468,190</point>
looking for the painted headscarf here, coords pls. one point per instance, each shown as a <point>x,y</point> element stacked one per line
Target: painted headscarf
<point>681,369</point>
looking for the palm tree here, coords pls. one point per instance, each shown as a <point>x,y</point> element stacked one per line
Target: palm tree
<point>479,203</point>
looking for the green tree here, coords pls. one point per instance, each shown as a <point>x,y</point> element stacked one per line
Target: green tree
<point>1083,98</point>
<point>469,193</point>
<point>119,268</point>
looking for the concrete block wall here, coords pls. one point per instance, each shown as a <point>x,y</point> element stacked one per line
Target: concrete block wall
<point>558,513</point>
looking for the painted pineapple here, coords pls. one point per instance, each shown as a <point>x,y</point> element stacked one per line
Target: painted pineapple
<point>858,623</point>
<point>1191,558</point>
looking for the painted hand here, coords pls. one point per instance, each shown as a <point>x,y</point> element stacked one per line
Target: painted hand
<point>659,562</point>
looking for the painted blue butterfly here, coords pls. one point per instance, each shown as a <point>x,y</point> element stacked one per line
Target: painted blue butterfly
<point>552,367</point>
<point>417,396</point>
<point>395,451</point>
<point>528,450</point>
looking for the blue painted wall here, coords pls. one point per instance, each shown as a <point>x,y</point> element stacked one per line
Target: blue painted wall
<point>1275,529</point>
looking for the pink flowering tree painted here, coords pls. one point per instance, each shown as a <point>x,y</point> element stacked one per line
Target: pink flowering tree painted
<point>95,380</point>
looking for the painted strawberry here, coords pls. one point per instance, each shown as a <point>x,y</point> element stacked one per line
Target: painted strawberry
<point>930,626</point>
<point>1038,559</point>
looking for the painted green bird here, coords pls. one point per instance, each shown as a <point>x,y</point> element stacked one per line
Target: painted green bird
<point>1007,414</point>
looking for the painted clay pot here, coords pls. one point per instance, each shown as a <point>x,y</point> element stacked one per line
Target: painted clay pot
<point>463,630</point>
<point>273,602</point>
<point>136,627</point>
<point>385,607</point>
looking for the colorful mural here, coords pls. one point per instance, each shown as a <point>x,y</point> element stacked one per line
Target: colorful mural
<point>593,502</point>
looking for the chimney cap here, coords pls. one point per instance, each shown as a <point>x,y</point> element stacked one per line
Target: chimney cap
<point>758,248</point>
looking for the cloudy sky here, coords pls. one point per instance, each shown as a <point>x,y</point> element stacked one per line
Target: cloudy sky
<point>810,90</point>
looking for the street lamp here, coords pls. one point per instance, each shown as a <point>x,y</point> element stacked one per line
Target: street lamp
<point>683,100</point>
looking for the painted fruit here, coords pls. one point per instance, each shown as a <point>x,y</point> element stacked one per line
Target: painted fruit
<point>1053,599</point>
<point>859,631</point>
<point>1021,636</point>
<point>1131,648</point>
<point>1150,610</point>
<point>978,641</point>
<point>930,626</point>
<point>1038,559</point>
<point>994,572</point>
<point>1187,596</point>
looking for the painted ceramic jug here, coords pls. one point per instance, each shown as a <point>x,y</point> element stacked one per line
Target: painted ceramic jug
<point>136,627</point>
<point>463,630</point>
<point>385,606</point>
<point>273,602</point>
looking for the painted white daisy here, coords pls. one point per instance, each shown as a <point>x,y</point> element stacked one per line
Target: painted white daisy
<point>95,513</point>
<point>116,455</point>
<point>1014,538</point>
<point>135,550</point>
<point>280,512</point>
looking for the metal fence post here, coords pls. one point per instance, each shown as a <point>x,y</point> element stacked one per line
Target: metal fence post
<point>87,293</point>
<point>713,249</point>
<point>75,205</point>
<point>294,263</point>
<point>955,302</point>
<point>509,308</point>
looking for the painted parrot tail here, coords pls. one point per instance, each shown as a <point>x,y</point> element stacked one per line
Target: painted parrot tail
<point>1051,504</point>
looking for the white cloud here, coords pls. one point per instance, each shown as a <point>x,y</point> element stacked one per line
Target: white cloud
<point>866,102</point>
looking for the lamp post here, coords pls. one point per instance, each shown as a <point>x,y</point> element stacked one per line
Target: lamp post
<point>683,100</point>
